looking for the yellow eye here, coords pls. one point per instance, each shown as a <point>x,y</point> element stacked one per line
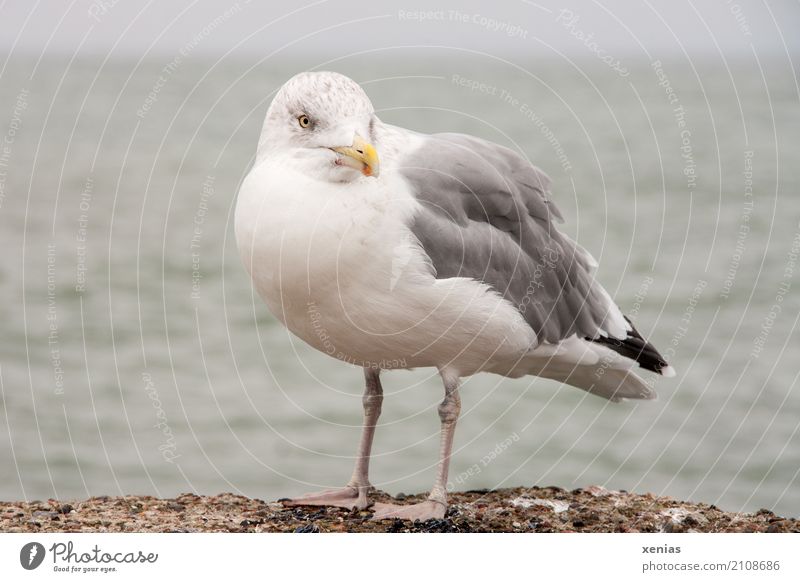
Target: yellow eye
<point>304,121</point>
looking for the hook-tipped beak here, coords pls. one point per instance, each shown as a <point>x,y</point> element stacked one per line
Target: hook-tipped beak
<point>361,156</point>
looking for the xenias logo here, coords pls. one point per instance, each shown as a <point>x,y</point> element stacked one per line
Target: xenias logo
<point>31,555</point>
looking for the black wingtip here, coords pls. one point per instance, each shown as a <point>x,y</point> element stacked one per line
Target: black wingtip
<point>636,348</point>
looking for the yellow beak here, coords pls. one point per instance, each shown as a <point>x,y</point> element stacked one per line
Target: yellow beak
<point>361,156</point>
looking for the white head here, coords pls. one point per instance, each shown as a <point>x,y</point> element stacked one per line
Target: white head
<point>322,124</point>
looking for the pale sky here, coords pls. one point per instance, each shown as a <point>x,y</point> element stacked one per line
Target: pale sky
<point>336,27</point>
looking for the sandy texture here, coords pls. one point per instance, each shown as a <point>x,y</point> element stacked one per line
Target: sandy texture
<point>535,509</point>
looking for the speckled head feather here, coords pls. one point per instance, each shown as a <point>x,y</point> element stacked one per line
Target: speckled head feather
<point>322,91</point>
<point>326,97</point>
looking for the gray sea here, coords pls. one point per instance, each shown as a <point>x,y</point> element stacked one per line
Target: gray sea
<point>135,359</point>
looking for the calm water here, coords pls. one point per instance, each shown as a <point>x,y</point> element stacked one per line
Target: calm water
<point>134,358</point>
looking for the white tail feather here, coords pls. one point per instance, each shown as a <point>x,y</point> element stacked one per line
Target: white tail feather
<point>608,383</point>
<point>603,373</point>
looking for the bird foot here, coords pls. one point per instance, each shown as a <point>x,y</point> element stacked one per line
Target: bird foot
<point>419,511</point>
<point>346,497</point>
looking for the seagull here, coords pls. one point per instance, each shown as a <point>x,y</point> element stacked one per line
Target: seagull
<point>391,249</point>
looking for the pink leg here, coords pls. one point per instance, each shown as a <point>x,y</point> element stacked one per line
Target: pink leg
<point>354,494</point>
<point>435,506</point>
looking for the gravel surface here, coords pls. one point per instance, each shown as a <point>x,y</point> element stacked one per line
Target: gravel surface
<point>536,509</point>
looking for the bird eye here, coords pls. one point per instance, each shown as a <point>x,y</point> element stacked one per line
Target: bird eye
<point>304,121</point>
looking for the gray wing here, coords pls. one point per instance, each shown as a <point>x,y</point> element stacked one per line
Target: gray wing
<point>486,214</point>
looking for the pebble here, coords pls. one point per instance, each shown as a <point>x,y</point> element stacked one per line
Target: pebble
<point>397,526</point>
<point>526,502</point>
<point>599,491</point>
<point>45,515</point>
<point>490,511</point>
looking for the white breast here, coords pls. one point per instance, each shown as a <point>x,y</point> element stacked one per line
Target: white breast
<point>337,264</point>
